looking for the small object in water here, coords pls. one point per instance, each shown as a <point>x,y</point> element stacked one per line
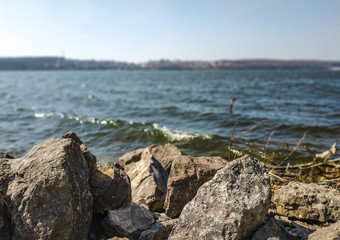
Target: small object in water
<point>232,100</point>
<point>326,154</point>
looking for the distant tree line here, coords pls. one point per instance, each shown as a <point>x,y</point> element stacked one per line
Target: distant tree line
<point>61,63</point>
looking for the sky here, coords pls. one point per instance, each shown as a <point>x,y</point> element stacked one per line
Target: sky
<point>142,30</point>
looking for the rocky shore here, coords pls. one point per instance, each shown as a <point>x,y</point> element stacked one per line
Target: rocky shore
<point>57,191</point>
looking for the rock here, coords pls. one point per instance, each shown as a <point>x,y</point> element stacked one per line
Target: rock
<point>159,230</point>
<point>110,188</point>
<point>6,228</point>
<point>330,233</point>
<point>130,157</point>
<point>72,135</point>
<point>232,205</point>
<point>165,154</point>
<point>50,195</point>
<point>308,202</point>
<point>148,180</point>
<point>272,230</point>
<point>296,228</point>
<point>91,159</point>
<point>117,238</point>
<point>186,176</point>
<point>5,155</point>
<point>128,221</point>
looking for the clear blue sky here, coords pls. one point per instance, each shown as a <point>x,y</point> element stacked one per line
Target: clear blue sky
<point>141,30</point>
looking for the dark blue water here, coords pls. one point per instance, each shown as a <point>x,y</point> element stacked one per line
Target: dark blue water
<point>114,112</point>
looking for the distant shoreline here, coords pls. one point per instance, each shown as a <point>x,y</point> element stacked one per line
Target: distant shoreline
<point>61,63</point>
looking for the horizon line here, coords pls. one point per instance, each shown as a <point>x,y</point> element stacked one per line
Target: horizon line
<point>179,60</point>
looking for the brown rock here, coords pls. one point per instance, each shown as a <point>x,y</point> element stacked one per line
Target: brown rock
<point>165,154</point>
<point>110,188</point>
<point>72,135</point>
<point>308,202</point>
<point>50,195</point>
<point>186,176</point>
<point>330,233</point>
<point>130,157</point>
<point>148,179</point>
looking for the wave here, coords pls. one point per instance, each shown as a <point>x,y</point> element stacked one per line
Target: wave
<point>143,129</point>
<point>309,128</point>
<point>176,135</point>
<point>104,132</point>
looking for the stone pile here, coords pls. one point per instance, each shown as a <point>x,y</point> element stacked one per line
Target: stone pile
<point>57,191</point>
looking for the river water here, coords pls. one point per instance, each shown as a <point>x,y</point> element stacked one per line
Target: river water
<point>117,111</point>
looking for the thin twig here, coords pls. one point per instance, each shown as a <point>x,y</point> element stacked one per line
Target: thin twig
<point>231,140</point>
<point>288,156</point>
<point>274,175</point>
<point>268,140</point>
<point>304,165</point>
<point>250,129</point>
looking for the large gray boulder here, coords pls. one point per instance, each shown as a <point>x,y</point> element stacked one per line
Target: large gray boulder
<point>110,187</point>
<point>308,202</point>
<point>330,233</point>
<point>232,205</point>
<point>50,195</point>
<point>148,180</point>
<point>128,221</point>
<point>186,176</point>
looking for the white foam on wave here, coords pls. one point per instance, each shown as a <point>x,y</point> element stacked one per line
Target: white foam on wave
<point>177,135</point>
<point>170,134</point>
<point>80,119</point>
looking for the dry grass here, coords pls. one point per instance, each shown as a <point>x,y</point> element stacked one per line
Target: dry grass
<point>321,169</point>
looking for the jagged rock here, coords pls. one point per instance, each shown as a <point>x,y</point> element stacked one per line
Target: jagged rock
<point>6,227</point>
<point>297,228</point>
<point>330,233</point>
<point>50,195</point>
<point>91,159</point>
<point>159,230</point>
<point>131,157</point>
<point>272,230</point>
<point>308,202</point>
<point>232,205</point>
<point>165,154</point>
<point>117,238</point>
<point>72,135</point>
<point>128,221</point>
<point>110,188</point>
<point>186,176</point>
<point>148,180</point>
<point>5,155</point>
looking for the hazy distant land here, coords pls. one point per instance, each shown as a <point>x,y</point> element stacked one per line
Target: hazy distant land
<point>61,63</point>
